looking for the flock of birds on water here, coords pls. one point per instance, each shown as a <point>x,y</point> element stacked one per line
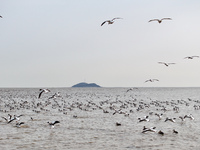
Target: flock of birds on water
<point>113,106</point>
<point>126,108</point>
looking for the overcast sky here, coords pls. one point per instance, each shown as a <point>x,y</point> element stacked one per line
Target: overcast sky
<point>58,43</point>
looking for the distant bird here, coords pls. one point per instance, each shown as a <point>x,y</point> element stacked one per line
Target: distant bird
<point>166,64</point>
<point>17,118</point>
<point>151,80</point>
<point>19,124</point>
<point>8,119</point>
<point>11,120</point>
<point>55,95</point>
<point>118,124</point>
<point>146,118</point>
<point>1,17</point>
<point>51,124</point>
<point>161,132</point>
<point>43,91</point>
<point>189,116</point>
<point>174,131</point>
<point>159,116</point>
<point>160,20</point>
<point>110,21</point>
<point>191,57</point>
<point>131,89</point>
<point>182,118</point>
<point>152,129</point>
<point>170,119</point>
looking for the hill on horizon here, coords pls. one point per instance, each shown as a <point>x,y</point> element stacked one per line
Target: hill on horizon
<point>84,84</point>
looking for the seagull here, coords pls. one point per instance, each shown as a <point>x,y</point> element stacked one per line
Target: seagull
<point>110,21</point>
<point>118,124</point>
<point>19,124</point>
<point>191,57</point>
<point>161,132</point>
<point>170,119</point>
<point>151,80</point>
<point>166,64</point>
<point>8,119</point>
<point>11,120</point>
<point>17,117</point>
<point>174,131</point>
<point>146,118</point>
<point>152,129</point>
<point>182,118</point>
<point>55,95</point>
<point>131,89</point>
<point>159,116</point>
<point>53,123</point>
<point>160,20</point>
<point>189,116</point>
<point>43,91</point>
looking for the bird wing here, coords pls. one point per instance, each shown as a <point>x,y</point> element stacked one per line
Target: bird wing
<point>5,118</point>
<point>11,120</point>
<point>116,18</point>
<point>155,80</point>
<point>40,94</point>
<point>104,22</point>
<point>171,63</point>
<point>195,56</point>
<point>153,20</point>
<point>166,19</point>
<point>55,122</point>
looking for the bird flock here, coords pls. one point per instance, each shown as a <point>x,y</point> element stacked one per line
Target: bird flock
<point>152,20</point>
<point>127,104</point>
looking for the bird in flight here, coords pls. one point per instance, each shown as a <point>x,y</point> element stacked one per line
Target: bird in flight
<point>1,17</point>
<point>43,91</point>
<point>191,57</point>
<point>151,80</point>
<point>160,20</point>
<point>166,64</point>
<point>110,21</point>
<point>51,124</point>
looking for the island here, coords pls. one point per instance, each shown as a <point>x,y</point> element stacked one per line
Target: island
<point>83,84</point>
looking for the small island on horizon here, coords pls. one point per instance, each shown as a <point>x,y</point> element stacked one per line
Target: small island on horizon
<point>84,84</point>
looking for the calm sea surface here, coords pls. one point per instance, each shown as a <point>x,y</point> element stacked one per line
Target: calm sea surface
<point>88,118</point>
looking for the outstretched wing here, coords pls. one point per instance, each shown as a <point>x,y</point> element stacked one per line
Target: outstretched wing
<point>166,19</point>
<point>171,63</point>
<point>40,94</point>
<point>104,22</point>
<point>153,20</point>
<point>116,18</point>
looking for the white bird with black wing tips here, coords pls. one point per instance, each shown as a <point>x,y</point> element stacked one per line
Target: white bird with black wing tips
<point>51,124</point>
<point>43,91</point>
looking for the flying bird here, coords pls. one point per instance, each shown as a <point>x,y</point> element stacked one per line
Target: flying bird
<point>191,57</point>
<point>166,64</point>
<point>110,21</point>
<point>43,91</point>
<point>1,17</point>
<point>51,124</point>
<point>151,80</point>
<point>160,20</point>
<point>19,124</point>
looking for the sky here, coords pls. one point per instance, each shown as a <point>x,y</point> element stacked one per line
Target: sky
<point>59,43</point>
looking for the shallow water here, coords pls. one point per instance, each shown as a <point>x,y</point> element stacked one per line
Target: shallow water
<point>85,125</point>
